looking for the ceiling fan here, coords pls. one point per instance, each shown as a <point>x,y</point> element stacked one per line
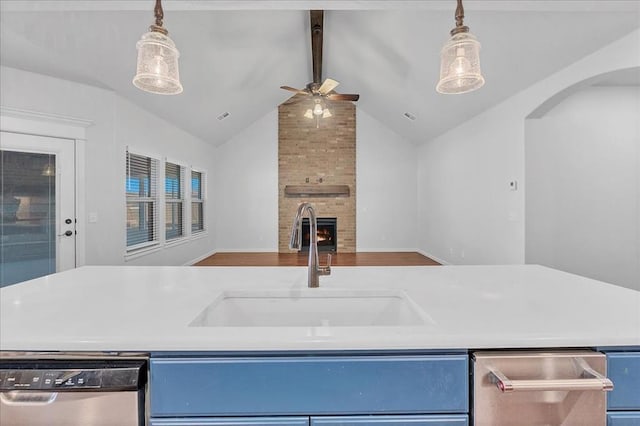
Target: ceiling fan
<point>316,88</point>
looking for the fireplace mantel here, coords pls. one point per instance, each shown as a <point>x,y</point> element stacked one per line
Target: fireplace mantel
<point>316,190</point>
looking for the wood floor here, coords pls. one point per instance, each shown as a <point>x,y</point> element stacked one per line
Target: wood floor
<point>301,259</point>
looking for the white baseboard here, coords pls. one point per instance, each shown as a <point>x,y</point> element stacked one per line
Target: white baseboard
<point>198,259</point>
<point>430,256</point>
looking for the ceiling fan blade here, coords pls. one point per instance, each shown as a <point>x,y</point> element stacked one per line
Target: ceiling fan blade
<point>316,18</point>
<point>327,86</point>
<point>342,97</point>
<point>293,89</point>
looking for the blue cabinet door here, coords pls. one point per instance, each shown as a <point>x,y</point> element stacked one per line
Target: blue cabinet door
<point>415,420</point>
<point>623,368</point>
<point>332,385</point>
<point>234,421</point>
<point>409,420</point>
<point>628,418</point>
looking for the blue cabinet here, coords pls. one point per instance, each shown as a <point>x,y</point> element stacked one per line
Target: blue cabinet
<point>308,385</point>
<point>623,403</point>
<point>428,420</point>
<point>629,418</point>
<point>408,420</point>
<point>318,390</point>
<point>233,421</point>
<point>623,368</point>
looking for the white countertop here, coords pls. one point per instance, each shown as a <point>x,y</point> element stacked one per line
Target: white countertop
<point>112,308</point>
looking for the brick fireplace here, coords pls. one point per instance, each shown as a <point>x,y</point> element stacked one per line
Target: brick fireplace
<point>317,155</point>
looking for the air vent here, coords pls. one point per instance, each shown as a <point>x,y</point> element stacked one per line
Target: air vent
<point>223,116</point>
<point>409,116</point>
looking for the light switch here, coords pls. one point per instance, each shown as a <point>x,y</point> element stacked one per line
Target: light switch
<point>513,185</point>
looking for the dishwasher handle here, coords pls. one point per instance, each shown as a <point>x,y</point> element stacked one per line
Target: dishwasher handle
<point>27,398</point>
<point>591,381</point>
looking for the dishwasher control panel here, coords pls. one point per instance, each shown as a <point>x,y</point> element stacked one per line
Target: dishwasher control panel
<point>59,378</point>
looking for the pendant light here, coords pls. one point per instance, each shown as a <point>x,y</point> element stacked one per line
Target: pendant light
<point>157,68</point>
<point>460,60</point>
<point>48,170</point>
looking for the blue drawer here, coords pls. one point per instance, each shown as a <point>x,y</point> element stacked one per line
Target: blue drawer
<point>623,368</point>
<point>430,420</point>
<point>233,421</point>
<point>309,385</point>
<point>409,420</point>
<point>629,418</point>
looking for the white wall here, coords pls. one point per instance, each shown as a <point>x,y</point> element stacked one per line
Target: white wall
<point>466,210</point>
<point>386,187</point>
<point>582,196</point>
<point>247,184</point>
<point>247,188</point>
<point>117,123</point>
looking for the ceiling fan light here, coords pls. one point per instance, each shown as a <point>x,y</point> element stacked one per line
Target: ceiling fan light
<point>308,114</point>
<point>317,109</point>
<point>460,65</point>
<point>157,67</point>
<point>326,113</point>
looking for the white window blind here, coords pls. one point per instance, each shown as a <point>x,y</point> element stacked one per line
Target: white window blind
<point>174,201</point>
<point>142,201</point>
<point>197,201</point>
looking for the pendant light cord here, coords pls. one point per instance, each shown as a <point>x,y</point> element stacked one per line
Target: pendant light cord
<point>159,14</point>
<point>460,27</point>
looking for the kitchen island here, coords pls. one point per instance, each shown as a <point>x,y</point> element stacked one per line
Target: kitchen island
<point>110,308</point>
<point>409,363</point>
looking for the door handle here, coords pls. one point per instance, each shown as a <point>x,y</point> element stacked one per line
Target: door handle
<point>67,233</point>
<point>592,381</point>
<point>27,398</point>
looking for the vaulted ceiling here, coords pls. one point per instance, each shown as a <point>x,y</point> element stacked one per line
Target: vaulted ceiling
<point>235,55</point>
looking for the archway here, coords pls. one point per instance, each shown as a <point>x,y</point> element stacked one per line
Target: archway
<point>582,177</point>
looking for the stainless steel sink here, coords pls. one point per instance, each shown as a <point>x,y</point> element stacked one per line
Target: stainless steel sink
<point>311,308</point>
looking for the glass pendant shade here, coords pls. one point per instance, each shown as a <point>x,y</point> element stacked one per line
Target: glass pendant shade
<point>460,65</point>
<point>157,69</point>
<point>308,114</point>
<point>48,170</point>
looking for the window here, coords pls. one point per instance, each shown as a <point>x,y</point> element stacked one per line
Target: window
<point>142,201</point>
<point>197,201</point>
<point>174,201</point>
<point>165,203</point>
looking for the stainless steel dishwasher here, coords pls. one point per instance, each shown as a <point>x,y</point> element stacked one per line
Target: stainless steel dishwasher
<point>56,389</point>
<point>522,388</point>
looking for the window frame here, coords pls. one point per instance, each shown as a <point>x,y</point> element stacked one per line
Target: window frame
<point>159,202</point>
<point>201,200</point>
<point>183,169</point>
<point>153,199</point>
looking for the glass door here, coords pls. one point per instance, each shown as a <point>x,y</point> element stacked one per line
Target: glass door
<point>37,206</point>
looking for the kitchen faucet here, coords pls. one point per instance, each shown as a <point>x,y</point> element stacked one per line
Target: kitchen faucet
<point>296,241</point>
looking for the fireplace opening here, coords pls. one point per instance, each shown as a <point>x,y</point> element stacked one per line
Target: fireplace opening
<point>327,234</point>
